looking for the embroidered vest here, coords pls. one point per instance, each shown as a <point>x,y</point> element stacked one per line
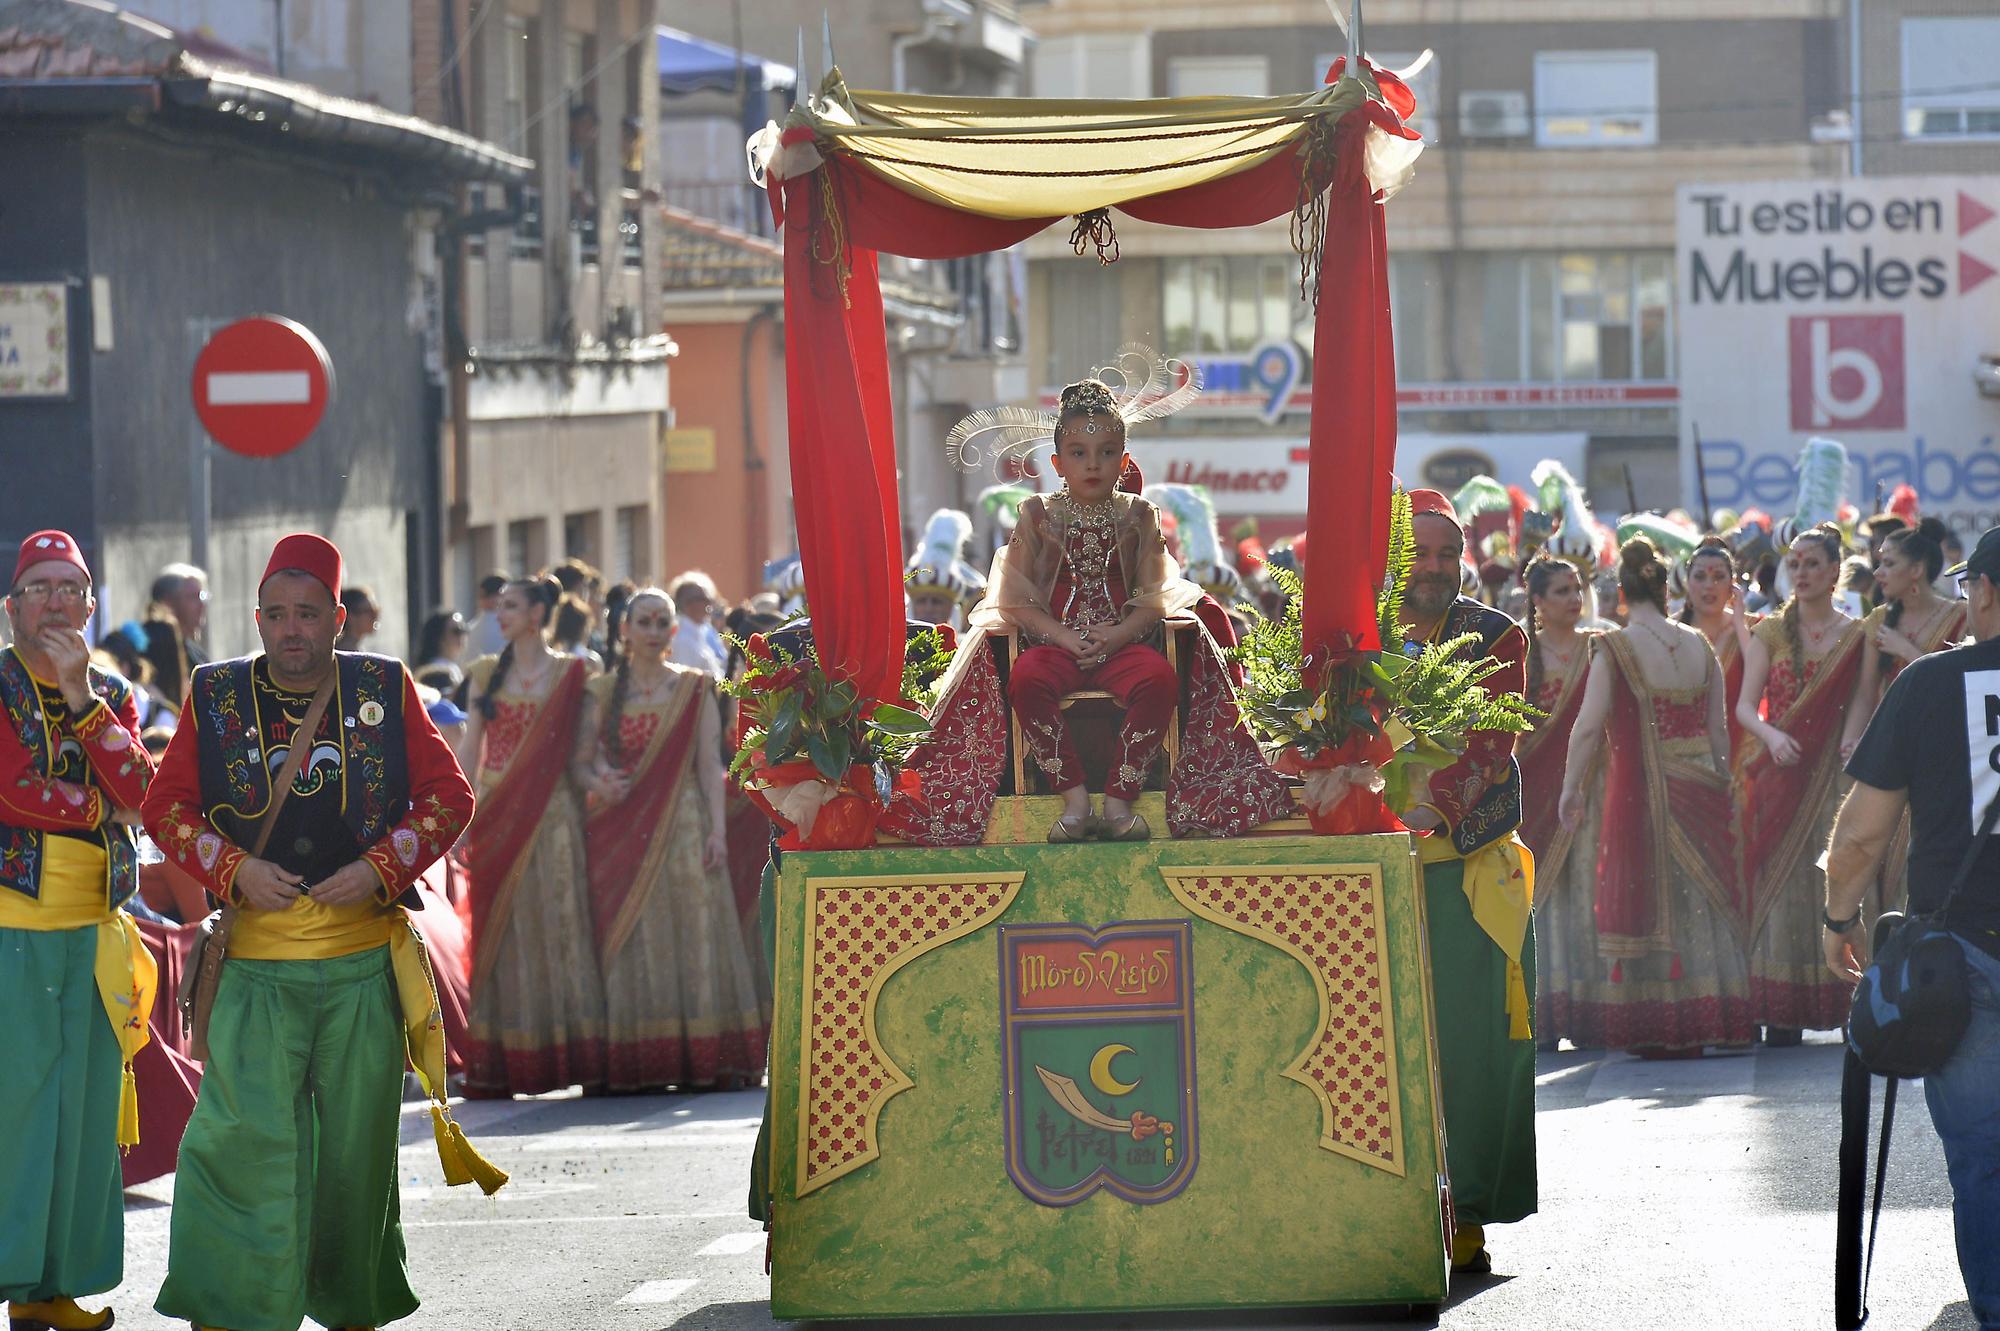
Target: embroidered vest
<point>23,850</point>
<point>1498,811</point>
<point>236,772</point>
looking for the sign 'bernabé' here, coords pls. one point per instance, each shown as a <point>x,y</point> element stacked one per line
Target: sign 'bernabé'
<point>262,385</point>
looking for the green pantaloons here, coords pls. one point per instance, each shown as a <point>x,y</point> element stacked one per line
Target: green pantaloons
<point>62,1212</point>
<point>1489,1080</point>
<point>286,1205</point>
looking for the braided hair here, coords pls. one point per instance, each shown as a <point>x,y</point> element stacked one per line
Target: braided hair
<point>1833,545</point>
<point>1085,399</point>
<point>1711,547</point>
<point>1540,575</point>
<point>541,591</point>
<point>1923,543</point>
<point>621,680</point>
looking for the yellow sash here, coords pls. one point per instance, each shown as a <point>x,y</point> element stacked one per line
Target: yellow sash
<point>1500,888</point>
<point>423,1042</point>
<point>309,931</point>
<point>73,897</point>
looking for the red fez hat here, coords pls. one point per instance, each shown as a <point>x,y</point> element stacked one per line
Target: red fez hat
<point>303,552</point>
<point>1432,501</point>
<point>47,547</point>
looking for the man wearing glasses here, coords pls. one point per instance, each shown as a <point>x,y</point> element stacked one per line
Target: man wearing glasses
<point>75,982</point>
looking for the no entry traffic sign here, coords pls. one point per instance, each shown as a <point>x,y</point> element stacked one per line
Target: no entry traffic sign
<point>261,385</point>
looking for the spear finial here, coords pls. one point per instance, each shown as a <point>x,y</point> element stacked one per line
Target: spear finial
<point>1354,48</point>
<point>799,90</point>
<point>826,38</point>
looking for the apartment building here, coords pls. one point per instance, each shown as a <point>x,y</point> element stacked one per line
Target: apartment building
<point>955,329</point>
<point>1532,260</point>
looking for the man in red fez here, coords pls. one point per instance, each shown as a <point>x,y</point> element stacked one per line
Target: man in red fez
<point>1478,887</point>
<point>72,777</point>
<point>283,1212</point>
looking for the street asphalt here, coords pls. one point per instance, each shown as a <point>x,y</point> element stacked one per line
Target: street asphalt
<point>1695,1194</point>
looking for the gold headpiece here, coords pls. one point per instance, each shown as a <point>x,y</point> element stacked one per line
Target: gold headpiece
<point>1144,385</point>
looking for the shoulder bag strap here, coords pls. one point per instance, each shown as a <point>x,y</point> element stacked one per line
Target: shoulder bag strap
<point>302,742</point>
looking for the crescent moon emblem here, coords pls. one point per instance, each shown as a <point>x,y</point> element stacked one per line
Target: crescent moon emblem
<point>1100,1071</point>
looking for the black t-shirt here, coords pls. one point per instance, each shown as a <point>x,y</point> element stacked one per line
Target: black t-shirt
<point>1937,735</point>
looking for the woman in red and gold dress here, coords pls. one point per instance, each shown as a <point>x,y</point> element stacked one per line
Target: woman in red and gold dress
<point>1670,975</point>
<point>1715,606</point>
<point>537,1018</point>
<point>680,994</point>
<point>1558,661</point>
<point>1913,620</point>
<point>1798,675</point>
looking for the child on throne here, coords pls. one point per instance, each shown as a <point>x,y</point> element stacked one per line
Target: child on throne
<point>1087,580</point>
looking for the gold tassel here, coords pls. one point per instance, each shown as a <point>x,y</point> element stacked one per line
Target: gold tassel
<point>128,1111</point>
<point>462,1162</point>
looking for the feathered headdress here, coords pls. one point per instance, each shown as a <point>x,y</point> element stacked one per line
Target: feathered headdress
<point>1822,472</point>
<point>1145,385</point>
<point>1202,555</point>
<point>939,563</point>
<point>1579,536</point>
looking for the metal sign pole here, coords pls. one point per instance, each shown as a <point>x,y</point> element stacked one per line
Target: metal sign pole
<point>201,450</point>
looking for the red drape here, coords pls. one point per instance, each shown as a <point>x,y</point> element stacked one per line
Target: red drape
<point>1353,429</point>
<point>836,370</point>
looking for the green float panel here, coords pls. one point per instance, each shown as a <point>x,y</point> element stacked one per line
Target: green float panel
<point>1170,1074</point>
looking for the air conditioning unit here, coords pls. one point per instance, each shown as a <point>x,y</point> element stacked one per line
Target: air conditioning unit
<point>1493,115</point>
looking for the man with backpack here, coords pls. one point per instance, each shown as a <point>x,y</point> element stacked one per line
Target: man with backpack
<point>1933,749</point>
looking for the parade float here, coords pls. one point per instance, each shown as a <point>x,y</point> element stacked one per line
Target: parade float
<point>1008,1076</point>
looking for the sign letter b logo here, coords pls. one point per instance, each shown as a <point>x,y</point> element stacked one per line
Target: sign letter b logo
<point>1847,372</point>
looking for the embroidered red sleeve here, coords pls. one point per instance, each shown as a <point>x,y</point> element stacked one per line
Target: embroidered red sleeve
<point>440,803</point>
<point>1456,789</point>
<point>175,821</point>
<point>28,799</point>
<point>110,742</point>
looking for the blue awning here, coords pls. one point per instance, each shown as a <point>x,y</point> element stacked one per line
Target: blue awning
<point>693,64</point>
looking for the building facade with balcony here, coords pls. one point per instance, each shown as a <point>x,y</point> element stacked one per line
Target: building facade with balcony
<point>956,330</point>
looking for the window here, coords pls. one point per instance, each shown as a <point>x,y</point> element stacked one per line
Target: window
<point>1098,66</point>
<point>1219,76</point>
<point>580,536</point>
<point>527,546</point>
<point>1083,322</point>
<point>1232,304</point>
<point>628,556</point>
<point>1950,89</point>
<point>1598,317</point>
<point>1416,300</point>
<point>1596,99</point>
<point>1423,84</point>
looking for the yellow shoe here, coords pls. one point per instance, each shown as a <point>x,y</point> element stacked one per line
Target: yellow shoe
<point>56,1315</point>
<point>1468,1250</point>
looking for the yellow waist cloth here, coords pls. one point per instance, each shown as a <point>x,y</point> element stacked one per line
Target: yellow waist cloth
<point>1500,887</point>
<point>309,931</point>
<point>74,896</point>
<point>75,889</point>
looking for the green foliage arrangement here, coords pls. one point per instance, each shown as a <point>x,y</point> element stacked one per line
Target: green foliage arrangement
<point>792,712</point>
<point>1422,700</point>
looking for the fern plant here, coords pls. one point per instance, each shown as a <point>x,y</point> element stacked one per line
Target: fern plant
<point>1423,702</point>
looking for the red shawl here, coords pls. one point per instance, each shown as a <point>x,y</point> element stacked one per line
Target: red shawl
<point>1779,806</point>
<point>509,817</point>
<point>1543,753</point>
<point>1662,814</point>
<point>629,840</point>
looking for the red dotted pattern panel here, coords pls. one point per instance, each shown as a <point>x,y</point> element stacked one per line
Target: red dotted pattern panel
<point>1333,919</point>
<point>861,934</point>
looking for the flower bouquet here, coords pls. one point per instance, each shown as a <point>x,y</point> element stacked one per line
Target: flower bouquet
<point>814,754</point>
<point>1361,728</point>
